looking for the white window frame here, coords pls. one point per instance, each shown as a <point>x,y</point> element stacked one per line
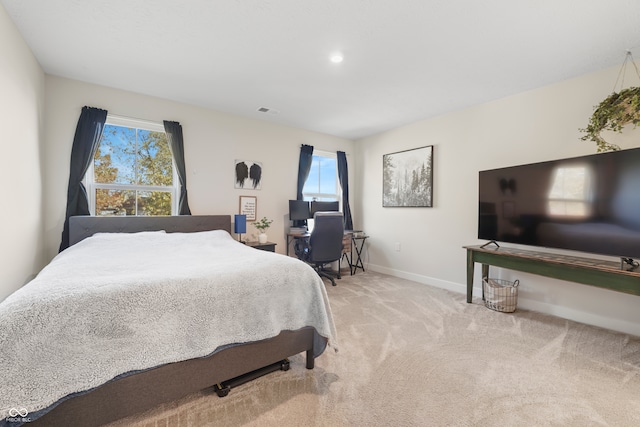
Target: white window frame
<point>321,196</point>
<point>92,186</point>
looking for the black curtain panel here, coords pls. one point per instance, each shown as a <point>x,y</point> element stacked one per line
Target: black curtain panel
<point>343,176</point>
<point>304,166</point>
<point>176,144</point>
<point>85,144</point>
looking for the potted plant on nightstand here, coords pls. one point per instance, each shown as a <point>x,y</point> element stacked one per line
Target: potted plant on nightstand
<point>262,226</point>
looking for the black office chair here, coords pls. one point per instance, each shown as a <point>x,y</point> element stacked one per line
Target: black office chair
<point>325,243</point>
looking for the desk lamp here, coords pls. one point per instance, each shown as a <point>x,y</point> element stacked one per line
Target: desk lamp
<point>240,225</point>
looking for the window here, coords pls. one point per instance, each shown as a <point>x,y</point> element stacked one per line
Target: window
<point>570,192</point>
<point>322,183</point>
<point>132,172</point>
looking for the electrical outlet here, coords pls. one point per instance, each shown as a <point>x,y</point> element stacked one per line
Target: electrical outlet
<point>397,246</point>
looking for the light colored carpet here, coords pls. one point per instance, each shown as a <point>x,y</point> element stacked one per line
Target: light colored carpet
<point>414,355</point>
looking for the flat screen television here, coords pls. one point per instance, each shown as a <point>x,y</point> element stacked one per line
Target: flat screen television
<point>588,203</point>
<point>299,210</point>
<point>320,206</point>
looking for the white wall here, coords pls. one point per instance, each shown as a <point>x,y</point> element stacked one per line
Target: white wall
<point>21,112</point>
<point>213,140</point>
<point>529,127</point>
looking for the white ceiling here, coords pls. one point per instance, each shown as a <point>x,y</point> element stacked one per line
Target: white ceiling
<point>404,60</point>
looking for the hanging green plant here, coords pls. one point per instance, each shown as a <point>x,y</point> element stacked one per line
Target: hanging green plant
<point>614,113</point>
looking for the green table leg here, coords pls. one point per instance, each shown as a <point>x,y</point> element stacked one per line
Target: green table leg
<point>470,264</point>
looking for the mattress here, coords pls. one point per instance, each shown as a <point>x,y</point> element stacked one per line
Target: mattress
<point>116,304</point>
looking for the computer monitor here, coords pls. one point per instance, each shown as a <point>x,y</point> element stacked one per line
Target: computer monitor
<point>299,210</point>
<point>318,206</point>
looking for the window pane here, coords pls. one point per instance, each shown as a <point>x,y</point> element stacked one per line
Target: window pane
<point>323,177</point>
<point>155,165</point>
<point>115,202</point>
<point>328,175</point>
<point>131,160</point>
<point>114,161</point>
<point>154,203</point>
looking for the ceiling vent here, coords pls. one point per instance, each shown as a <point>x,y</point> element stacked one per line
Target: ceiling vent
<point>268,110</point>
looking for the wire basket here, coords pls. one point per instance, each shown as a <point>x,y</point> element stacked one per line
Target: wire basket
<point>500,295</point>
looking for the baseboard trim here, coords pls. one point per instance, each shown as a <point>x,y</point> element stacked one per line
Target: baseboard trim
<point>426,280</point>
<point>619,325</point>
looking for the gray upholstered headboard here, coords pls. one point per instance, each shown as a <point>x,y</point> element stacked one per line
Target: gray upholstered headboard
<point>81,227</point>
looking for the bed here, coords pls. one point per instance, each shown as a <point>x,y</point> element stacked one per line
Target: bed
<point>132,338</point>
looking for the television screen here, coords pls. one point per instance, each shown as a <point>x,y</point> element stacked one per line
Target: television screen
<point>589,203</point>
<point>299,210</point>
<point>318,206</point>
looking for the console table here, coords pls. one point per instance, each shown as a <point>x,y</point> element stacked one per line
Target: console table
<point>603,274</point>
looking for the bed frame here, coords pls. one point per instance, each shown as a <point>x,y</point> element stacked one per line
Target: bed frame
<point>142,391</point>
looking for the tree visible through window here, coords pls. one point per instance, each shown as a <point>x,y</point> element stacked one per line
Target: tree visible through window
<point>132,173</point>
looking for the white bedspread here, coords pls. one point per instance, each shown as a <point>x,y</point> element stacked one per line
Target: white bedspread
<point>116,303</point>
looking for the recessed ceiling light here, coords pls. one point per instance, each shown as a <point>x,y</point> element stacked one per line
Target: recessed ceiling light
<point>337,58</point>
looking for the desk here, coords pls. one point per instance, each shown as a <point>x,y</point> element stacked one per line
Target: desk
<point>356,242</point>
<point>603,274</point>
<point>291,237</point>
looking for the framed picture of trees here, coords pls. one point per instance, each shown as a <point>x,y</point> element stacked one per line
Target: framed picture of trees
<point>407,178</point>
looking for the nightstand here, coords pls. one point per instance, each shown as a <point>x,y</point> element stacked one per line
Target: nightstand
<point>269,246</point>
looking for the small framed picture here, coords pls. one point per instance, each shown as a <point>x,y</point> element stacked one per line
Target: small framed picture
<point>248,207</point>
